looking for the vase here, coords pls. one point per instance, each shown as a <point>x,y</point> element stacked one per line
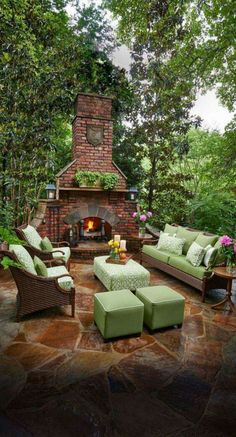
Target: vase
<point>230,267</point>
<point>141,232</point>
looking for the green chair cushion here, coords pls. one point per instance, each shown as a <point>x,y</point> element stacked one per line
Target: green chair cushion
<point>169,229</point>
<point>205,240</point>
<point>156,253</point>
<point>32,236</point>
<point>40,267</point>
<point>23,257</point>
<point>162,306</point>
<point>66,250</point>
<point>189,236</point>
<point>46,244</point>
<point>67,282</point>
<point>118,313</point>
<point>182,264</point>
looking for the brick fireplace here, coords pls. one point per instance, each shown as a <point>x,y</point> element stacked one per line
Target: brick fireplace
<point>89,212</point>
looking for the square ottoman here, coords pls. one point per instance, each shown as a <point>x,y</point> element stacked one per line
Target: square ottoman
<point>118,313</point>
<point>118,277</point>
<point>162,306</point>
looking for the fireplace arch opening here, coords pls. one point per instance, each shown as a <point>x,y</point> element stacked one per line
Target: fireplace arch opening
<point>94,228</point>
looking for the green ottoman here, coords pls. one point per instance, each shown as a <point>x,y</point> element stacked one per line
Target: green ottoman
<point>162,306</point>
<point>118,313</point>
<point>119,277</point>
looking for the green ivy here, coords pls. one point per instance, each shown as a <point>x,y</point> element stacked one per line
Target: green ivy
<point>8,262</point>
<point>108,181</point>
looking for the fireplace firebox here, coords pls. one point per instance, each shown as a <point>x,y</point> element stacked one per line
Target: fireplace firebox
<point>94,228</point>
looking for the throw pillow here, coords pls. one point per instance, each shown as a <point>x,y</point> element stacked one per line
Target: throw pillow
<point>171,244</point>
<point>23,257</point>
<point>195,254</point>
<point>210,256</point>
<point>190,237</point>
<point>40,267</point>
<point>46,244</point>
<point>171,230</point>
<point>32,236</point>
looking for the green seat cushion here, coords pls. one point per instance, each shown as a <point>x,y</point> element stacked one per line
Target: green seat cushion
<point>189,236</point>
<point>171,230</point>
<point>66,253</point>
<point>162,306</point>
<point>205,240</point>
<point>46,244</point>
<point>23,257</point>
<point>118,313</point>
<point>32,236</point>
<point>67,282</point>
<point>119,277</point>
<point>40,267</point>
<point>182,264</point>
<point>155,253</point>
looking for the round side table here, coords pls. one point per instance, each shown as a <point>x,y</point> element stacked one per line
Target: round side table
<point>223,273</point>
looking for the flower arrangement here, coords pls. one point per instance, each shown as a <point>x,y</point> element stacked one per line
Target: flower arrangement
<point>142,218</point>
<point>117,248</point>
<point>228,248</point>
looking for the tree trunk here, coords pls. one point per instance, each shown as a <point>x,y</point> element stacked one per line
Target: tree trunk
<point>152,182</point>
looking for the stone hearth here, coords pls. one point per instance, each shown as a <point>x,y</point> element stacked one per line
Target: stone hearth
<point>92,151</point>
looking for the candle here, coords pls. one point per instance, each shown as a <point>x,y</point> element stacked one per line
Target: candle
<point>123,244</point>
<point>117,238</point>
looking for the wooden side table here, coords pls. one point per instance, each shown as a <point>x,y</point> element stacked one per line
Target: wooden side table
<point>223,273</point>
<point>148,238</point>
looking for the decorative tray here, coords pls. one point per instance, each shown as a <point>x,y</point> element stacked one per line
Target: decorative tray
<point>118,261</point>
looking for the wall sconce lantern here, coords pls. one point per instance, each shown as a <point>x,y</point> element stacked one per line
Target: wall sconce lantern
<point>133,194</point>
<point>51,191</point>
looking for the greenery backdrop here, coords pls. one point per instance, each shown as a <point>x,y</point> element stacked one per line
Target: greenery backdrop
<point>184,174</point>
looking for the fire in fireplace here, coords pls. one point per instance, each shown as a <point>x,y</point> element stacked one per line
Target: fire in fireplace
<point>94,228</point>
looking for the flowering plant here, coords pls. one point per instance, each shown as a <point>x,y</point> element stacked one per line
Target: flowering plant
<point>228,248</point>
<point>142,217</point>
<point>115,248</point>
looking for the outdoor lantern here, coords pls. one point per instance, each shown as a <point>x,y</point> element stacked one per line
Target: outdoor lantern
<point>51,191</point>
<point>133,193</point>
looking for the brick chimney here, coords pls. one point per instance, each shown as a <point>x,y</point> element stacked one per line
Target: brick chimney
<point>92,132</point>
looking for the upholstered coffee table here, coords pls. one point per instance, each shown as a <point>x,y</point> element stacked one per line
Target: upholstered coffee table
<point>118,277</point>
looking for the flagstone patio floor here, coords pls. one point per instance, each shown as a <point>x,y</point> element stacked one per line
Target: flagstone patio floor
<point>59,378</point>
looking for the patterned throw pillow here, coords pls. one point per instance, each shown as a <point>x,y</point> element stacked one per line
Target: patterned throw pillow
<point>40,267</point>
<point>32,236</point>
<point>46,244</point>
<point>171,244</point>
<point>195,254</point>
<point>210,256</point>
<point>23,257</point>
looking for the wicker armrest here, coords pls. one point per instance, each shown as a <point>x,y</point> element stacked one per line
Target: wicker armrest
<point>58,251</point>
<point>59,243</point>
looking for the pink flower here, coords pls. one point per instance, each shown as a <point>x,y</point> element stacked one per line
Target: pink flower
<point>134,214</point>
<point>234,247</point>
<point>149,214</point>
<point>225,240</point>
<point>143,218</point>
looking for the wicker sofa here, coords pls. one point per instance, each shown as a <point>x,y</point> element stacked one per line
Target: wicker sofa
<point>201,278</point>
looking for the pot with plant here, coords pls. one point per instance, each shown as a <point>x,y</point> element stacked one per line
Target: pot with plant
<point>142,218</point>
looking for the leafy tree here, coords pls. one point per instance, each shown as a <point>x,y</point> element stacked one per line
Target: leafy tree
<point>45,59</point>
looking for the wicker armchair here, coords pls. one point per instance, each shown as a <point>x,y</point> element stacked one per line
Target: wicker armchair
<point>37,292</point>
<point>43,254</point>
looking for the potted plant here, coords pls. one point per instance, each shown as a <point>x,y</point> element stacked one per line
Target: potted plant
<point>228,248</point>
<point>142,218</point>
<point>8,237</point>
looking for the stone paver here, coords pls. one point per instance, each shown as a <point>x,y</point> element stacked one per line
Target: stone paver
<point>59,378</point>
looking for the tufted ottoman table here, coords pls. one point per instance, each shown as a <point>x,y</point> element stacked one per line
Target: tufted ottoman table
<point>118,313</point>
<point>162,306</point>
<point>117,277</point>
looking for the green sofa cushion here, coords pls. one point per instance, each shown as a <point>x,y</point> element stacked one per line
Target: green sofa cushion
<point>189,236</point>
<point>32,236</point>
<point>171,230</point>
<point>205,240</point>
<point>220,258</point>
<point>23,257</point>
<point>182,264</point>
<point>155,253</point>
<point>40,267</point>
